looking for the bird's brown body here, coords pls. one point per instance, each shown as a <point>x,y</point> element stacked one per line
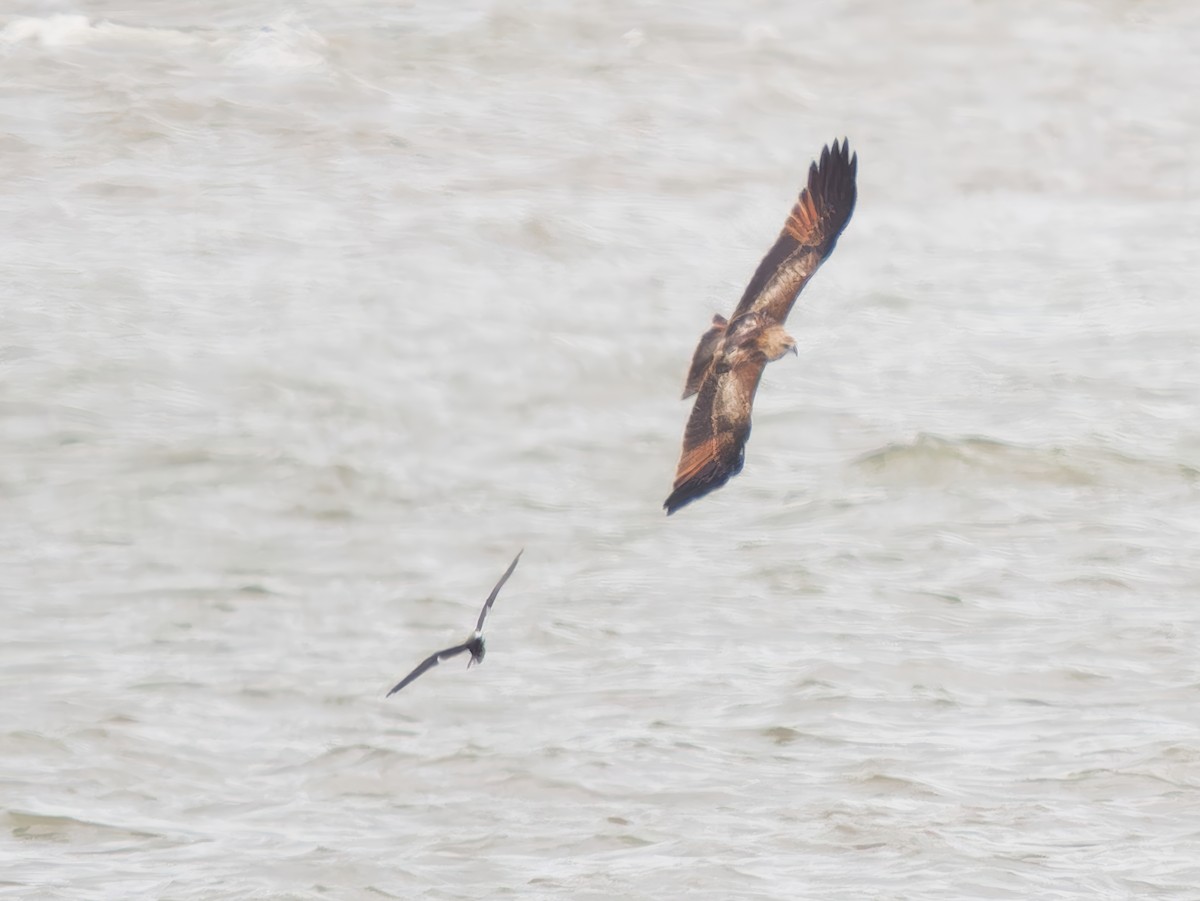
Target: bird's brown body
<point>730,358</point>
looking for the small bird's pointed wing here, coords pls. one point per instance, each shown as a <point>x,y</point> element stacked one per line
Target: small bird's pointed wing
<point>429,663</point>
<point>487,605</point>
<point>703,356</point>
<point>808,236</point>
<point>714,441</point>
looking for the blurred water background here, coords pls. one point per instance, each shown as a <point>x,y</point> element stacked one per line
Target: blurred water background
<point>315,313</point>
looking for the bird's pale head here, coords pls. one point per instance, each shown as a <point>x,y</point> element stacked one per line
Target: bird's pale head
<point>774,342</point>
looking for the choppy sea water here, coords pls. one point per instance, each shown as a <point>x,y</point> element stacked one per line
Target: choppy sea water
<point>315,314</point>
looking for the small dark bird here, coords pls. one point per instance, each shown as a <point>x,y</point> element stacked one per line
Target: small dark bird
<point>732,354</point>
<point>474,644</point>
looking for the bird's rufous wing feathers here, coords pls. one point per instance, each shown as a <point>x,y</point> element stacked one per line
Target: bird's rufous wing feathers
<point>808,236</point>
<point>715,438</point>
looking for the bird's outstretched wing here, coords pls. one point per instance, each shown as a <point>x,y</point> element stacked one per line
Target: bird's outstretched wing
<point>703,356</point>
<point>487,605</point>
<point>808,236</point>
<point>429,663</point>
<point>714,441</point>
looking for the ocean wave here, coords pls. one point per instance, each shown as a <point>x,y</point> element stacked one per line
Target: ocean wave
<point>933,459</point>
<point>278,45</point>
<point>66,30</point>
<point>32,825</point>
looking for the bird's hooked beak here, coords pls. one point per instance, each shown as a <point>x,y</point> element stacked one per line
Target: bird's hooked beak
<point>792,349</point>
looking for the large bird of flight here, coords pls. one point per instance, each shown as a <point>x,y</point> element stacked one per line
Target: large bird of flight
<point>474,644</point>
<point>730,358</point>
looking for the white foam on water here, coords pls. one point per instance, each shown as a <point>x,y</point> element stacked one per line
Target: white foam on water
<point>68,30</point>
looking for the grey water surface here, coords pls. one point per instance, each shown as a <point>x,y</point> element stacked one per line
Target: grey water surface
<point>314,314</point>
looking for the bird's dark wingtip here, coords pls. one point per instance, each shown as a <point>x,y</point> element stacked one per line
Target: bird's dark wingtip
<point>711,476</point>
<point>684,495</point>
<point>673,502</point>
